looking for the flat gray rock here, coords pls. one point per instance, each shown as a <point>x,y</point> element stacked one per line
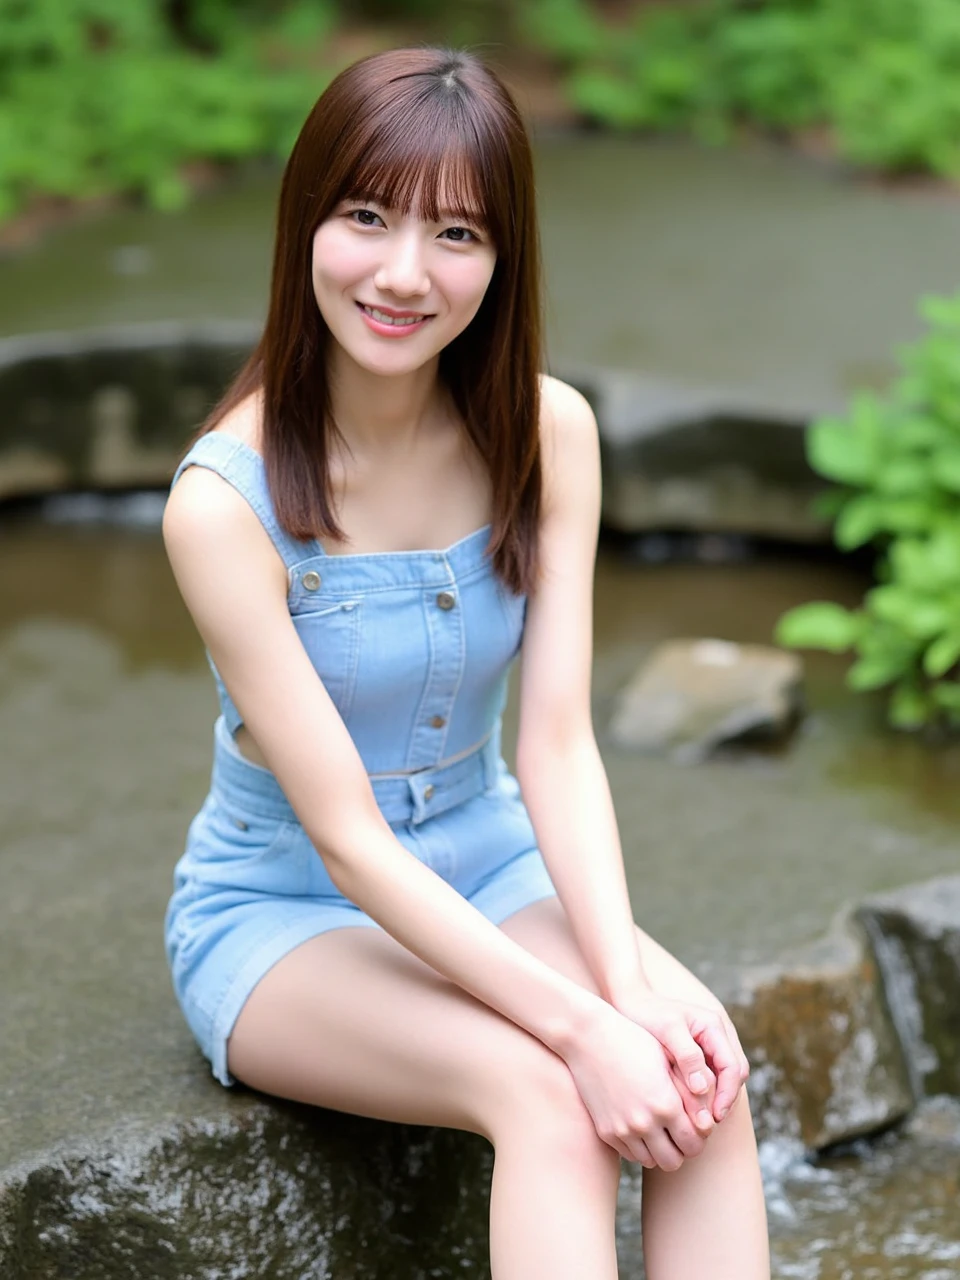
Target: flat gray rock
<point>690,696</point>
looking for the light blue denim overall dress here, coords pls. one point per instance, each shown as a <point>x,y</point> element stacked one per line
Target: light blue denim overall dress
<point>414,649</point>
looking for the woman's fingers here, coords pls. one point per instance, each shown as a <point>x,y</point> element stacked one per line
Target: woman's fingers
<point>681,1045</point>
<point>726,1058</point>
<point>640,1153</point>
<point>699,1107</point>
<point>683,1132</point>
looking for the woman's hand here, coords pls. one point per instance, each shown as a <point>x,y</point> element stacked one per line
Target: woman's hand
<point>627,1084</point>
<point>700,1041</point>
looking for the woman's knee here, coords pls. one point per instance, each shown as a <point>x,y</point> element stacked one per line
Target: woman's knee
<point>536,1102</point>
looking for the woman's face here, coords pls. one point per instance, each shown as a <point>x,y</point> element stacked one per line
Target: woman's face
<point>393,289</point>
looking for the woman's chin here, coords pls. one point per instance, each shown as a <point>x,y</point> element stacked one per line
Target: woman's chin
<point>390,364</point>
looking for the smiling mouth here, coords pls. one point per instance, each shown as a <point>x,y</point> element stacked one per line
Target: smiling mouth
<point>400,320</point>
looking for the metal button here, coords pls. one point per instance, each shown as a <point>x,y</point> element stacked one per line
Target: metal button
<point>428,791</point>
<point>446,600</point>
<point>311,581</point>
<point>244,826</point>
<point>437,722</point>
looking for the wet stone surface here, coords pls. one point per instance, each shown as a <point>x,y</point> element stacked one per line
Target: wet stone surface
<point>826,1062</point>
<point>916,936</point>
<point>268,1192</point>
<point>110,409</point>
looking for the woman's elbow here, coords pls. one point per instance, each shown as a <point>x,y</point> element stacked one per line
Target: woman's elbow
<point>557,744</point>
<point>341,840</point>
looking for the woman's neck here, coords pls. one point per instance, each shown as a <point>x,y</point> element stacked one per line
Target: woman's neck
<point>379,414</point>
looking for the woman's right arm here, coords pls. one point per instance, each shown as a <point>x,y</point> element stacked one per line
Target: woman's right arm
<point>235,586</point>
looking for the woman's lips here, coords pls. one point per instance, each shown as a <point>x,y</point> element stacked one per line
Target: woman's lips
<point>392,324</point>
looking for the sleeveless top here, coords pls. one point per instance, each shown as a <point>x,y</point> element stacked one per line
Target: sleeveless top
<point>413,647</point>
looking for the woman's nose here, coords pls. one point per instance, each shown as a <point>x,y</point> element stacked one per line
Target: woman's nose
<point>403,270</point>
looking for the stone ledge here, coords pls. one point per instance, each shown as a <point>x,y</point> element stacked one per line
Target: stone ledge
<point>689,457</point>
<point>114,407</point>
<point>265,1189</point>
<point>110,408</point>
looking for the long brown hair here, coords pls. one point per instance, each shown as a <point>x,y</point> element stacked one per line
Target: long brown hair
<point>403,126</point>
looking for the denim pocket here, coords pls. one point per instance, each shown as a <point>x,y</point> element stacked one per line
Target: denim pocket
<point>331,638</point>
<point>238,848</point>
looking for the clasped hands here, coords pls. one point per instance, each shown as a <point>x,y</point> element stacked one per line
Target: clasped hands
<point>657,1076</point>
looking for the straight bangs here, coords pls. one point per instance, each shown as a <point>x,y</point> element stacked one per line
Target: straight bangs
<point>433,158</point>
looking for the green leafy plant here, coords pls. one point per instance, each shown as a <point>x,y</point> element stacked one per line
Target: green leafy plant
<point>104,96</point>
<point>880,78</point>
<point>896,464</point>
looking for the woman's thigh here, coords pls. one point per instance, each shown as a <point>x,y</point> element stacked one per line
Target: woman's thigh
<point>544,929</point>
<point>353,1021</point>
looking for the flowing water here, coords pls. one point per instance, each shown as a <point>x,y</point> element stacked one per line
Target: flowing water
<point>105,710</point>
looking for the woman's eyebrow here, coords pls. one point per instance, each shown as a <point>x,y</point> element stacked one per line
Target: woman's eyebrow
<point>468,215</point>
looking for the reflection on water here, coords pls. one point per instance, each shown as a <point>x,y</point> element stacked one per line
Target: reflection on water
<point>104,749</point>
<point>116,580</point>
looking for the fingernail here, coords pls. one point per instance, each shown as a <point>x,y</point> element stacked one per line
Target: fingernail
<point>698,1082</point>
<point>704,1119</point>
<point>724,1112</point>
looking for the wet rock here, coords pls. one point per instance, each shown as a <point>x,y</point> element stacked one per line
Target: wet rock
<point>112,408</point>
<point>827,1064</point>
<point>692,695</point>
<point>269,1190</point>
<point>677,456</point>
<point>915,933</point>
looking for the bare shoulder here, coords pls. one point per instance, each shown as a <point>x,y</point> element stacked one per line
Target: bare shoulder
<point>568,438</point>
<point>203,510</point>
<point>564,410</point>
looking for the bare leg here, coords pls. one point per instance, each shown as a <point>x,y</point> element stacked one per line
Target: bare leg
<point>709,1217</point>
<point>353,1021</point>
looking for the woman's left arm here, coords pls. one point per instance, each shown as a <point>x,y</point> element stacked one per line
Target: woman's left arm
<point>561,774</point>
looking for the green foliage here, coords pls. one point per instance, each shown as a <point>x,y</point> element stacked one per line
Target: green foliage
<point>897,464</point>
<point>100,96</point>
<point>882,76</point>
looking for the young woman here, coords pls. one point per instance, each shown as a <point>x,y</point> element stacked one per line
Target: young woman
<point>387,504</point>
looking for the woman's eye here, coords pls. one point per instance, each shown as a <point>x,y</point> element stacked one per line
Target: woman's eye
<point>460,235</point>
<point>365,217</point>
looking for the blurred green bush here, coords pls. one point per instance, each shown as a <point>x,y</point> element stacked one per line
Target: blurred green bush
<point>882,77</point>
<point>896,463</point>
<point>98,96</point>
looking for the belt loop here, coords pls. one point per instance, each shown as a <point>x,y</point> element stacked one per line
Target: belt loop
<point>417,800</point>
